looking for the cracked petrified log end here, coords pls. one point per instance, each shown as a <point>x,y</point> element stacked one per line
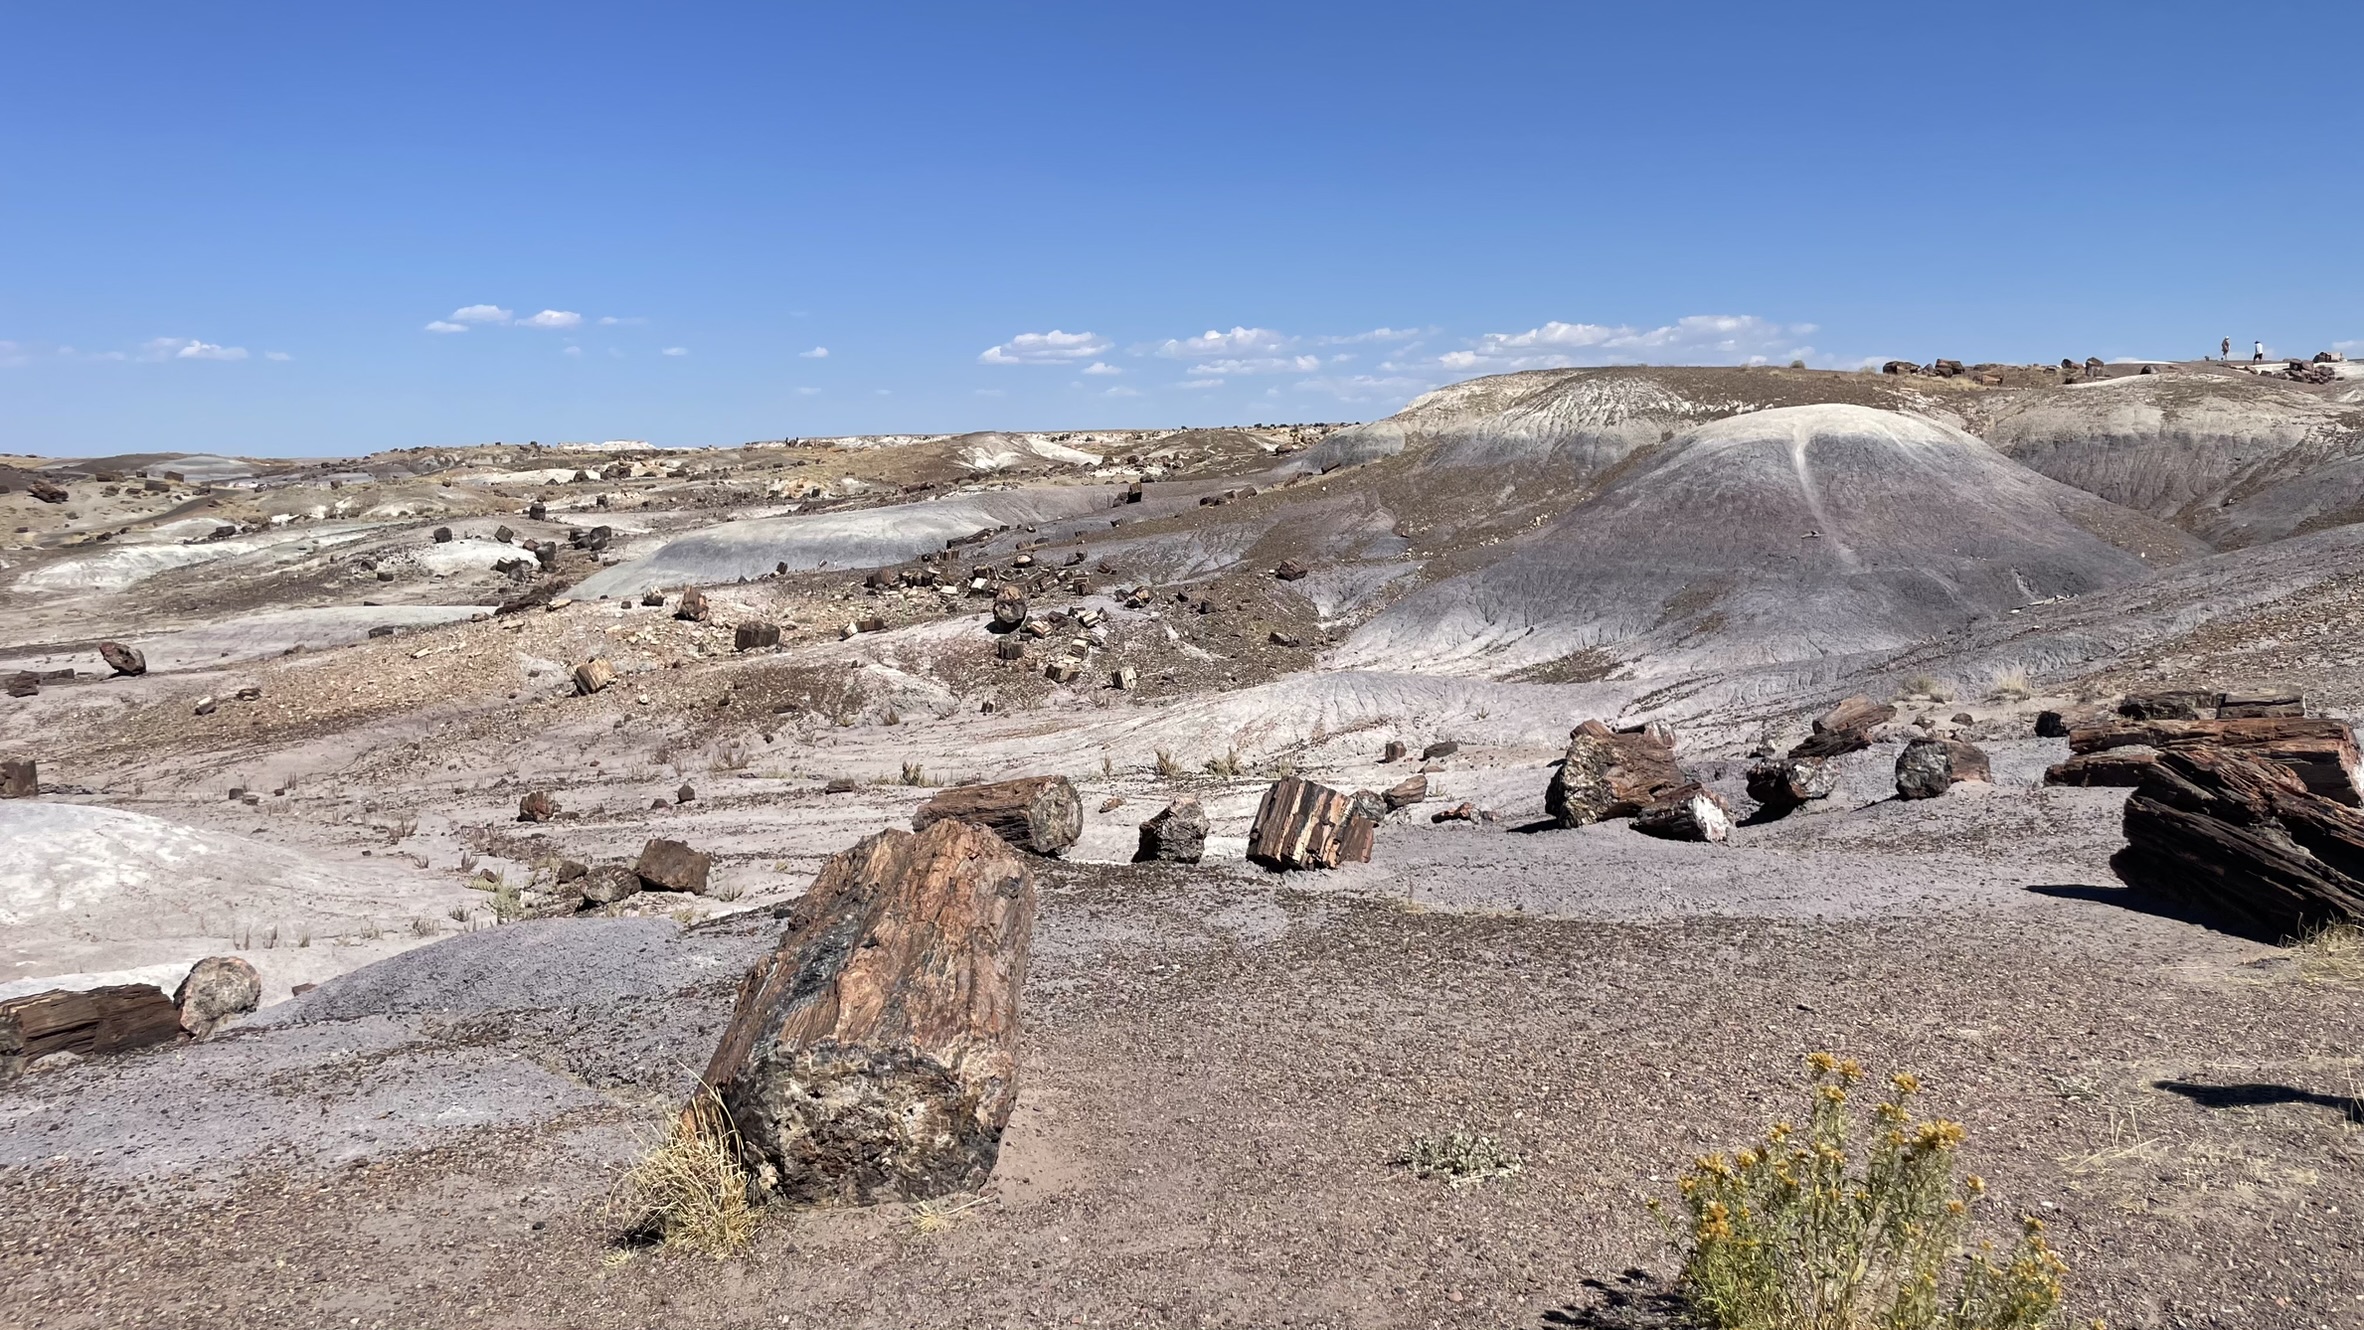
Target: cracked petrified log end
<point>754,634</point>
<point>593,675</point>
<point>2121,767</point>
<point>1929,767</point>
<point>18,778</point>
<point>2320,750</point>
<point>693,607</point>
<point>1176,835</point>
<point>1394,752</point>
<point>670,865</point>
<point>1038,814</point>
<point>2243,838</point>
<point>1692,813</point>
<point>1605,775</point>
<point>217,990</point>
<point>1405,793</point>
<point>1781,784</point>
<point>122,659</point>
<point>112,1019</point>
<point>873,1056</point>
<point>537,806</point>
<point>1303,825</point>
<point>1009,607</point>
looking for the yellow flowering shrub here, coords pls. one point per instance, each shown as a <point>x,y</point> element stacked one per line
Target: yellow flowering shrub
<point>1815,1230</point>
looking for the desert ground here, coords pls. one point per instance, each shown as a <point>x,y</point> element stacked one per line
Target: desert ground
<point>1221,1067</point>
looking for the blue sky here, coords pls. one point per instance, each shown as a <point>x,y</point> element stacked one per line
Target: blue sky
<point>254,228</point>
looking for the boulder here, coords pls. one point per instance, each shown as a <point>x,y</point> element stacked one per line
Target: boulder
<point>1280,639</point>
<point>2322,751</point>
<point>684,794</point>
<point>1782,784</point>
<point>24,683</point>
<point>1038,814</point>
<point>608,883</point>
<point>1607,775</point>
<point>669,865</point>
<point>693,607</point>
<point>593,675</point>
<point>1442,748</point>
<point>1303,825</point>
<point>122,659</point>
<point>874,1055</point>
<point>1290,571</point>
<point>218,990</point>
<point>1176,835</point>
<point>2242,838</point>
<point>443,535</point>
<point>18,778</point>
<point>113,1019</point>
<point>755,633</point>
<point>1394,752</point>
<point>1929,767</point>
<point>46,492</point>
<point>537,806</point>
<point>1405,793</point>
<point>1692,813</point>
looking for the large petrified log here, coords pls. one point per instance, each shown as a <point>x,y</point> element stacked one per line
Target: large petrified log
<point>1929,767</point>
<point>1303,825</point>
<point>1038,814</point>
<point>2119,767</point>
<point>1605,775</point>
<point>1781,784</point>
<point>1845,728</point>
<point>97,1020</point>
<point>2271,700</point>
<point>2243,838</point>
<point>1691,813</point>
<point>2321,751</point>
<point>2174,704</point>
<point>873,1056</point>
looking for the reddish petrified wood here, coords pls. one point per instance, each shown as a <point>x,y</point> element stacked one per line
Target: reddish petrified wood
<point>1038,814</point>
<point>2321,751</point>
<point>1303,825</point>
<point>2245,840</point>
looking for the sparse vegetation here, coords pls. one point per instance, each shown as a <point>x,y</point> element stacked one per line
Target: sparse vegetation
<point>937,1215</point>
<point>1922,685</point>
<point>732,756</point>
<point>1226,765</point>
<point>1813,1232</point>
<point>2334,955</point>
<point>1460,1158</point>
<point>1167,767</point>
<point>689,1189</point>
<point>914,774</point>
<point>2011,686</point>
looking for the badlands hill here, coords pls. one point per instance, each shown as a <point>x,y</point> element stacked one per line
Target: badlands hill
<point>356,670</point>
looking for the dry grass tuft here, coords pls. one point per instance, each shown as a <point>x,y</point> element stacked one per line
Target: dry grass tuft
<point>1460,1158</point>
<point>938,1215</point>
<point>2334,955</point>
<point>2011,686</point>
<point>914,774</point>
<point>1168,768</point>
<point>690,1189</point>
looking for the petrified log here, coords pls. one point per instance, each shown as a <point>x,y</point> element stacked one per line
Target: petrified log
<point>537,806</point>
<point>593,675</point>
<point>669,865</point>
<point>98,1020</point>
<point>1691,813</point>
<point>873,1056</point>
<point>1405,793</point>
<point>2174,704</point>
<point>18,778</point>
<point>1038,814</point>
<point>1290,571</point>
<point>443,535</point>
<point>2122,767</point>
<point>2245,839</point>
<point>1929,767</point>
<point>1607,775</point>
<point>24,683</point>
<point>693,607</point>
<point>2321,751</point>
<point>2270,701</point>
<point>755,633</point>
<point>1011,647</point>
<point>1781,784</point>
<point>1176,835</point>
<point>123,659</point>
<point>1441,748</point>
<point>1394,752</point>
<point>1009,607</point>
<point>216,990</point>
<point>1303,825</point>
<point>609,883</point>
<point>1854,713</point>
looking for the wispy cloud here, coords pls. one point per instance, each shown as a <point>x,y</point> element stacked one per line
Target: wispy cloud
<point>674,351</point>
<point>1200,383</point>
<point>553,318</point>
<point>1260,365</point>
<point>1045,348</point>
<point>481,314</point>
<point>1378,335</point>
<point>1237,342</point>
<point>613,321</point>
<point>808,392</point>
<point>1101,367</point>
<point>188,348</point>
<point>1713,338</point>
<point>277,355</point>
<point>817,353</point>
<point>446,326</point>
<point>575,351</point>
<point>992,392</point>
<point>1392,389</point>
<point>1121,391</point>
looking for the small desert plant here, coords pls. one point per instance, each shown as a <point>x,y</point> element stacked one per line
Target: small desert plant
<point>914,774</point>
<point>401,829</point>
<point>1818,1233</point>
<point>937,1215</point>
<point>1461,1158</point>
<point>1226,765</point>
<point>1797,364</point>
<point>1921,685</point>
<point>2011,686</point>
<point>731,757</point>
<point>2333,955</point>
<point>508,903</point>
<point>422,927</point>
<point>690,1188</point>
<point>1167,767</point>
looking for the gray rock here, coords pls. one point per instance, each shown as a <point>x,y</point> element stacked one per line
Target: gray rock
<point>218,990</point>
<point>1177,835</point>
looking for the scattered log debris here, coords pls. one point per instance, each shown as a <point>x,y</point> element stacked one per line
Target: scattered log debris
<point>1038,814</point>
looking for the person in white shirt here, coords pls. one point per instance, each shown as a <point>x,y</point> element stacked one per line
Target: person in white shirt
<point>2260,352</point>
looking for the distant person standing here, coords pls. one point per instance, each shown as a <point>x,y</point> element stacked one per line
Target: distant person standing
<point>2224,349</point>
<point>2260,353</point>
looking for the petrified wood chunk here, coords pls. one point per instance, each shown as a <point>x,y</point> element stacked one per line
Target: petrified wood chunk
<point>1038,814</point>
<point>2321,751</point>
<point>1405,793</point>
<point>1691,813</point>
<point>98,1020</point>
<point>123,659</point>
<point>537,806</point>
<point>755,633</point>
<point>669,865</point>
<point>1929,767</point>
<point>217,989</point>
<point>2243,838</point>
<point>19,778</point>
<point>1176,835</point>
<point>693,607</point>
<point>1009,607</point>
<point>2173,704</point>
<point>2122,767</point>
<point>873,1056</point>
<point>1303,825</point>
<point>593,675</point>
<point>2261,703</point>
<point>1781,784</point>
<point>1606,775</point>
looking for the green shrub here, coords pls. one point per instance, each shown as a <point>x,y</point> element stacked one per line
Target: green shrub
<point>1813,1233</point>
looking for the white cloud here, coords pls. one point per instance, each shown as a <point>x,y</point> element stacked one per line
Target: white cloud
<point>553,318</point>
<point>1367,388</point>
<point>1121,391</point>
<point>808,392</point>
<point>575,351</point>
<point>1200,383</point>
<point>674,351</point>
<point>1711,338</point>
<point>817,353</point>
<point>1101,367</point>
<point>441,326</point>
<point>1260,365</point>
<point>1050,348</point>
<point>277,355</point>
<point>611,321</point>
<point>188,348</point>
<point>480,314</point>
<point>1376,335</point>
<point>2345,347</point>
<point>1237,342</point>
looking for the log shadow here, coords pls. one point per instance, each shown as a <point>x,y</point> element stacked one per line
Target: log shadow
<point>2142,901</point>
<point>1636,1300</point>
<point>2256,1094</point>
